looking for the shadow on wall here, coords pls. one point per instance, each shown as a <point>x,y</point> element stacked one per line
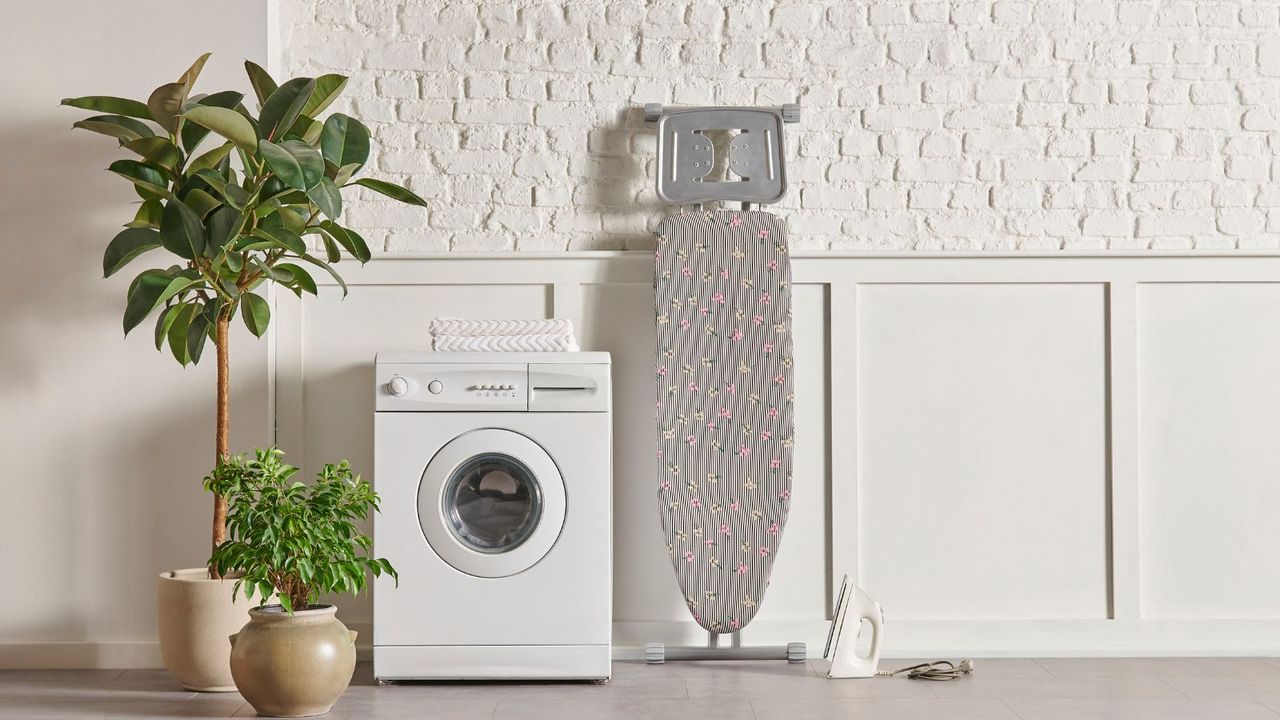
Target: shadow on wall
<point>620,178</point>
<point>105,440</point>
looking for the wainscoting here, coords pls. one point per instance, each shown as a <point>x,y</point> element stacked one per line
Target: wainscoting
<point>1017,455</point>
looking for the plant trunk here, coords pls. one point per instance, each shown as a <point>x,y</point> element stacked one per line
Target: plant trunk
<point>224,428</point>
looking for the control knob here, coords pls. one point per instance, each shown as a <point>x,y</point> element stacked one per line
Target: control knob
<point>398,386</point>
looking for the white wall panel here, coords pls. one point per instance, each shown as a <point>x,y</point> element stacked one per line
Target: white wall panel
<point>982,449</point>
<point>1209,459</point>
<point>968,486</point>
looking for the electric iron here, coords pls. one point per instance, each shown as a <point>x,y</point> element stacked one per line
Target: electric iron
<point>853,607</point>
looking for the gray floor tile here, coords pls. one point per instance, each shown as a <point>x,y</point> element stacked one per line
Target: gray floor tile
<point>1159,667</point>
<point>52,710</point>
<point>419,705</point>
<point>1140,710</point>
<point>1008,688</point>
<point>1228,688</point>
<point>724,709</point>
<point>770,681</point>
<point>886,709</point>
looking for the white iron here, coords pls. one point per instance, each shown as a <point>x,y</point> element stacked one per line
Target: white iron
<point>853,607</point>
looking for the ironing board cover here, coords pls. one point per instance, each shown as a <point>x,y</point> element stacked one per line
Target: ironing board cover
<point>722,283</point>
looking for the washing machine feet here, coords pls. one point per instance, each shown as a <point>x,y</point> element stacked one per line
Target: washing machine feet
<point>658,653</point>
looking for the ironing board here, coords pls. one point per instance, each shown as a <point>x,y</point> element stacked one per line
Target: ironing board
<point>722,301</point>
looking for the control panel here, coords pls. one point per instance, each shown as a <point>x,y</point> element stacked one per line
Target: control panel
<point>493,387</point>
<point>453,387</point>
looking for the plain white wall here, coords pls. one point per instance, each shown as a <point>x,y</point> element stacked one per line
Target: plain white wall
<point>103,440</point>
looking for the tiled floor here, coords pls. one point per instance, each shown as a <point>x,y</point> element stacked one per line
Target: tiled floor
<point>1057,689</point>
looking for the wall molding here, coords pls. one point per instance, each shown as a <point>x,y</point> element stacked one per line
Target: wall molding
<point>571,279</point>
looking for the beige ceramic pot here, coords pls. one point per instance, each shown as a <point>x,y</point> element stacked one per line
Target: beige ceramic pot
<point>293,665</point>
<point>196,614</point>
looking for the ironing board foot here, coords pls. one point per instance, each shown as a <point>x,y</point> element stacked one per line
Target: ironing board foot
<point>658,653</point>
<point>655,653</point>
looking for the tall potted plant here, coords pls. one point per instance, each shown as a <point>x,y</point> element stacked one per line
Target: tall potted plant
<point>234,214</point>
<point>296,541</point>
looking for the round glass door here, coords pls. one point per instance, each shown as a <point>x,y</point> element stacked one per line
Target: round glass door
<point>492,503</point>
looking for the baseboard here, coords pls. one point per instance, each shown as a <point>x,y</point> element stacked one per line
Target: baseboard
<point>79,655</point>
<point>904,639</point>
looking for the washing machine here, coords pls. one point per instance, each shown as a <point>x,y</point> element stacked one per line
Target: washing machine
<point>495,472</point>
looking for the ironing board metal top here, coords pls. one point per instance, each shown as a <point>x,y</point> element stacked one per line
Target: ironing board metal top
<point>757,170</point>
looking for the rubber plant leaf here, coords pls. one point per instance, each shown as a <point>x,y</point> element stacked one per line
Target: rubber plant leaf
<point>109,104</point>
<point>296,163</point>
<point>126,246</point>
<point>392,191</point>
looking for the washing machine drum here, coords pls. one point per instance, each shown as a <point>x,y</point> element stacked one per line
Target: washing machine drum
<point>491,503</point>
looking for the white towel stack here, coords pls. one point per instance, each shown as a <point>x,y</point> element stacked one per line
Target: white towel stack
<point>458,335</point>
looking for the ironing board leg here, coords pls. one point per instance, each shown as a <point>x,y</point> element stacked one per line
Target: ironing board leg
<point>658,653</point>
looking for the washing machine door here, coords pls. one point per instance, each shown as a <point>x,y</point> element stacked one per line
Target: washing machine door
<point>491,503</point>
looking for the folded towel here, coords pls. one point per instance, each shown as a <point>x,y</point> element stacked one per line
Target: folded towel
<point>504,343</point>
<point>478,328</point>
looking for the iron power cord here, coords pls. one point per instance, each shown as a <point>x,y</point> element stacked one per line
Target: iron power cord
<point>936,670</point>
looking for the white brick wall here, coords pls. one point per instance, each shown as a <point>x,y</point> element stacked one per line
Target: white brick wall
<point>963,124</point>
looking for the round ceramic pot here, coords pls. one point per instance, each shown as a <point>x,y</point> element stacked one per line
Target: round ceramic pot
<point>293,665</point>
<point>195,616</point>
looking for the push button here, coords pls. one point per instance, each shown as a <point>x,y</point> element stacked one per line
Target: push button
<point>435,387</point>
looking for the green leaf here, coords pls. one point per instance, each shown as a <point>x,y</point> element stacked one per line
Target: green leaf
<point>109,104</point>
<point>331,251</point>
<point>283,107</point>
<point>283,238</point>
<point>144,176</point>
<point>177,332</point>
<point>227,123</point>
<point>302,280</point>
<point>213,179</point>
<point>344,141</point>
<point>165,103</point>
<point>327,89</point>
<point>343,174</point>
<point>181,232</point>
<point>148,215</point>
<point>326,197</point>
<point>202,202</point>
<point>211,159</point>
<point>392,191</point>
<point>156,150</point>
<point>189,77</point>
<point>296,163</point>
<point>220,227</point>
<point>119,127</point>
<point>164,322</point>
<point>256,312</point>
<point>197,334</point>
<point>193,133</point>
<point>146,293</point>
<point>126,246</point>
<point>263,85</point>
<point>349,240</point>
<point>327,268</point>
<point>235,261</point>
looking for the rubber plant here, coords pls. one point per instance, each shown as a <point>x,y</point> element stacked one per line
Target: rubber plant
<point>292,539</point>
<point>233,198</point>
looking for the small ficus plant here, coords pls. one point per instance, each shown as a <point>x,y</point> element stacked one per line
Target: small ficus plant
<point>290,538</point>
<point>232,198</point>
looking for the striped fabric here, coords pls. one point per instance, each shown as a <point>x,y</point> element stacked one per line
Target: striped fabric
<point>724,406</point>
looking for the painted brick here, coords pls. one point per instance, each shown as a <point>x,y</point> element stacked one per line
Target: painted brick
<point>928,124</point>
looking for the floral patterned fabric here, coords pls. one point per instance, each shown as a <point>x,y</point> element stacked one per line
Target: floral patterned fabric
<point>722,286</point>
